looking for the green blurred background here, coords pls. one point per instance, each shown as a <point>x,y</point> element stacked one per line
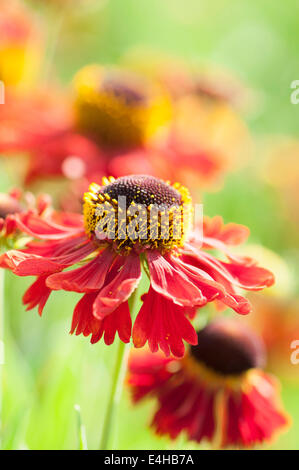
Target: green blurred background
<point>48,371</point>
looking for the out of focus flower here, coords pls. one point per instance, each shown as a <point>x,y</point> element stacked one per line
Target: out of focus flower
<point>117,109</point>
<point>121,123</point>
<point>31,120</point>
<point>182,78</point>
<point>281,171</point>
<point>20,45</point>
<point>275,314</point>
<point>277,321</point>
<point>209,130</point>
<point>183,273</point>
<point>218,392</point>
<point>172,73</point>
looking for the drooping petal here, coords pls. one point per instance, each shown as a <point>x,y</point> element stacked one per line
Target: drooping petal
<point>162,324</point>
<point>120,285</point>
<point>209,288</point>
<point>85,323</point>
<point>40,228</point>
<point>213,287</point>
<point>249,277</point>
<point>87,278</point>
<point>225,281</point>
<point>56,248</point>
<point>189,407</point>
<point>254,414</point>
<point>37,294</point>
<point>118,321</point>
<point>147,372</point>
<point>14,260</point>
<point>33,265</point>
<point>171,283</point>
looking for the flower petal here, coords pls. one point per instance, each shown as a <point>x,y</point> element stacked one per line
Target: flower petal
<point>249,277</point>
<point>84,322</point>
<point>37,294</point>
<point>38,227</point>
<point>164,325</point>
<point>171,283</point>
<point>87,278</point>
<point>122,284</point>
<point>117,321</point>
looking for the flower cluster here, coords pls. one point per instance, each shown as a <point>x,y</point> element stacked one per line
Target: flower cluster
<point>130,244</point>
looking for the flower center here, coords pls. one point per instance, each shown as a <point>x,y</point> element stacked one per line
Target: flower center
<point>138,211</point>
<point>126,92</point>
<point>117,109</point>
<point>228,348</point>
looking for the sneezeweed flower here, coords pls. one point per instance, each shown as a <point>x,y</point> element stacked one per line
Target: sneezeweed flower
<point>208,126</point>
<point>116,123</point>
<point>207,132</point>
<point>183,273</point>
<point>118,109</point>
<point>218,392</point>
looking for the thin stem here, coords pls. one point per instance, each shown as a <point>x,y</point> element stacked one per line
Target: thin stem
<point>115,393</point>
<point>2,279</point>
<point>117,381</point>
<point>82,441</point>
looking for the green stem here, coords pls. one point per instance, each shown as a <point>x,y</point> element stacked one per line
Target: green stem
<point>2,278</point>
<point>82,441</point>
<point>117,381</point>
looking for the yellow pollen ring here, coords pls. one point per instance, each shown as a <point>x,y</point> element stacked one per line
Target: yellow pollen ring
<point>163,230</point>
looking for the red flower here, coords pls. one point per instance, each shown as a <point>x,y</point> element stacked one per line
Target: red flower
<point>183,274</point>
<point>117,124</point>
<point>217,392</point>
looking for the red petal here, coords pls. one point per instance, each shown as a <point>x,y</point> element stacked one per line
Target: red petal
<point>250,277</point>
<point>85,322</point>
<point>117,321</point>
<point>87,278</point>
<point>120,288</point>
<point>171,283</point>
<point>164,325</point>
<point>38,227</point>
<point>230,234</point>
<point>37,294</point>
<point>254,416</point>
